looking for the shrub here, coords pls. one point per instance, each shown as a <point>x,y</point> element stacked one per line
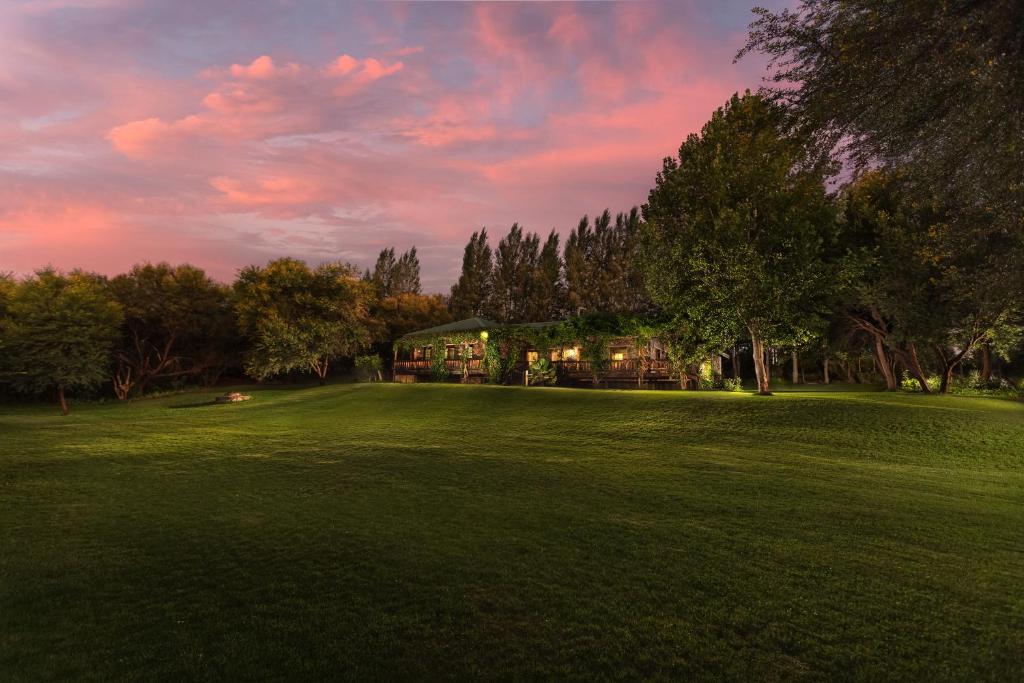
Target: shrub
<point>369,367</point>
<point>542,372</point>
<point>732,384</point>
<point>908,383</point>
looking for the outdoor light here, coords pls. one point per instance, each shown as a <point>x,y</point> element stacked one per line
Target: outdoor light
<point>483,335</point>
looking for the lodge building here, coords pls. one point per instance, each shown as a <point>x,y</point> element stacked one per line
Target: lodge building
<point>464,345</point>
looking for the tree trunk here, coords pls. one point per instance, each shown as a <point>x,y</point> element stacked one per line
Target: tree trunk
<point>883,364</point>
<point>910,360</point>
<point>321,371</point>
<point>735,363</point>
<point>986,363</point>
<point>947,377</point>
<point>796,366</point>
<point>760,369</point>
<point>825,375</point>
<point>62,399</point>
<point>948,365</point>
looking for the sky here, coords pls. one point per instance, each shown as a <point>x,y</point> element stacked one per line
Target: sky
<point>230,132</point>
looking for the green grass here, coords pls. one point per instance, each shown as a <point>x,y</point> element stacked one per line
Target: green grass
<point>429,531</point>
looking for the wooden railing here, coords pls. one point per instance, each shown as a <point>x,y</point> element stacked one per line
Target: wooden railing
<point>454,366</point>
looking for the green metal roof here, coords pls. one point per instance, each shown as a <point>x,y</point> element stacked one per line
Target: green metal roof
<point>467,325</point>
<point>472,325</point>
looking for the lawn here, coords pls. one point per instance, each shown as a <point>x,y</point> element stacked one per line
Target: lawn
<point>424,531</point>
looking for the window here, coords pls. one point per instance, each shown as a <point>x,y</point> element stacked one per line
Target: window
<point>451,352</point>
<point>572,353</point>
<point>618,355</point>
<point>555,355</point>
<point>532,356</point>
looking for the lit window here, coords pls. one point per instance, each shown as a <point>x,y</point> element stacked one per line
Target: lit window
<point>618,355</point>
<point>555,355</point>
<point>532,356</point>
<point>572,354</point>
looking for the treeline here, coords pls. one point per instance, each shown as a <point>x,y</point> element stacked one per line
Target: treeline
<point>521,280</point>
<point>160,326</point>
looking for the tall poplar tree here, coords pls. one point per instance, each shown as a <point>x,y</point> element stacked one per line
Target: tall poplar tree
<point>548,288</point>
<point>515,265</point>
<point>471,294</point>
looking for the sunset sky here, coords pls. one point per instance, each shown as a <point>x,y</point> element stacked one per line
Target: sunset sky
<point>231,132</point>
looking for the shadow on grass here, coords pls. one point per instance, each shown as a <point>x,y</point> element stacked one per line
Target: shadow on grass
<point>200,404</point>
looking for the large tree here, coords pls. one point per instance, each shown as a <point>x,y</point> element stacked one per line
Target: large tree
<point>59,333</point>
<point>936,88</point>
<point>937,282</point>
<point>174,317</point>
<point>470,295</point>
<point>298,318</point>
<point>736,228</point>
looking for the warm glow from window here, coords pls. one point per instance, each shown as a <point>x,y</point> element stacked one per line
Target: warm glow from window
<point>532,356</point>
<point>618,355</point>
<point>572,354</point>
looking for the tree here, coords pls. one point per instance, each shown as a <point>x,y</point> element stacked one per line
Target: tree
<point>393,276</point>
<point>934,278</point>
<point>299,318</point>
<point>735,232</point>
<point>934,88</point>
<point>470,295</point>
<point>171,316</point>
<point>7,288</point>
<point>59,333</point>
<point>601,271</point>
<point>406,279</point>
<point>408,312</point>
<point>515,265</point>
<point>548,288</point>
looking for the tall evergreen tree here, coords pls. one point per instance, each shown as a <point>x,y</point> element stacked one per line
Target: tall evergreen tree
<point>547,292</point>
<point>384,272</point>
<point>515,265</point>
<point>406,279</point>
<point>392,276</point>
<point>601,270</point>
<point>579,268</point>
<point>470,295</point>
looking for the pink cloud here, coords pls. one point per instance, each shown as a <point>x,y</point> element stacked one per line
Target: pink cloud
<point>258,100</point>
<point>268,191</point>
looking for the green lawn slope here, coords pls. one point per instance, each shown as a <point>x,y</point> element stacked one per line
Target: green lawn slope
<point>426,531</point>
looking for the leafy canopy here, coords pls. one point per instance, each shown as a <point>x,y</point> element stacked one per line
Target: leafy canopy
<point>300,318</point>
<point>59,331</point>
<point>736,230</point>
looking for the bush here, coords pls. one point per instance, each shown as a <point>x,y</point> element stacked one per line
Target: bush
<point>542,372</point>
<point>369,367</point>
<point>732,384</point>
<point>910,384</point>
